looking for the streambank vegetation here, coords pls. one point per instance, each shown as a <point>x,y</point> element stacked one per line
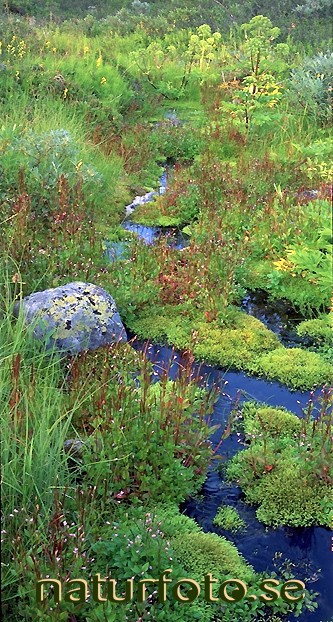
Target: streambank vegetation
<point>100,450</point>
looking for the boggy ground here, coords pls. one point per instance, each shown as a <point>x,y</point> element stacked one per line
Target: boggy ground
<point>83,132</point>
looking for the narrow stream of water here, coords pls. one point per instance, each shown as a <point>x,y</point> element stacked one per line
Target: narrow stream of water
<point>306,550</point>
<point>278,316</point>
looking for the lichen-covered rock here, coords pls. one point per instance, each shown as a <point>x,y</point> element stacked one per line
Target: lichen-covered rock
<point>74,317</point>
<point>74,448</point>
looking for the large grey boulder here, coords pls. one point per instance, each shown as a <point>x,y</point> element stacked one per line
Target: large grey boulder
<point>74,317</point>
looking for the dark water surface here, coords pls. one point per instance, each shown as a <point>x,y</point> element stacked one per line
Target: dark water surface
<point>278,316</point>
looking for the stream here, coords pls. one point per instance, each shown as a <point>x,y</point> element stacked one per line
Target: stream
<point>305,551</point>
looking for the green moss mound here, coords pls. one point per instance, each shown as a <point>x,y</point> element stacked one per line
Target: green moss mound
<point>320,334</point>
<point>150,214</point>
<point>173,523</point>
<point>246,345</point>
<point>165,324</point>
<point>237,346</point>
<point>228,518</point>
<point>274,421</point>
<point>284,495</point>
<point>286,499</point>
<point>296,368</point>
<point>288,468</point>
<point>319,330</point>
<point>201,553</point>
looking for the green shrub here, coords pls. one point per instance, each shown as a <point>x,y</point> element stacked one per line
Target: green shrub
<point>161,413</point>
<point>178,206</point>
<point>311,83</point>
<point>108,399</point>
<point>304,296</point>
<point>133,546</point>
<point>177,143</point>
<point>43,158</point>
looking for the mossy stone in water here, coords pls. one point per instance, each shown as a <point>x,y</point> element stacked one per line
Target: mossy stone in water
<point>73,318</point>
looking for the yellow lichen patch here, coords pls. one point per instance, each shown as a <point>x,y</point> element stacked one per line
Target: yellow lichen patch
<point>70,299</point>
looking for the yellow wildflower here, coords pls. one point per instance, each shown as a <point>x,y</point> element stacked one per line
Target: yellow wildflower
<point>86,49</point>
<point>99,61</point>
<point>65,92</point>
<point>103,80</point>
<point>22,48</point>
<point>284,265</point>
<point>54,50</point>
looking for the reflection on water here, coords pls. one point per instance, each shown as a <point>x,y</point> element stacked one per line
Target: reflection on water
<point>278,316</point>
<point>149,196</point>
<point>175,238</point>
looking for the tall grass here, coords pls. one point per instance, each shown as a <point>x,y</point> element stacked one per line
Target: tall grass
<point>35,423</point>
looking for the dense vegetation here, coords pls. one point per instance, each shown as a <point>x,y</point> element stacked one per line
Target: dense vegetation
<point>296,453</point>
<point>85,96</point>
